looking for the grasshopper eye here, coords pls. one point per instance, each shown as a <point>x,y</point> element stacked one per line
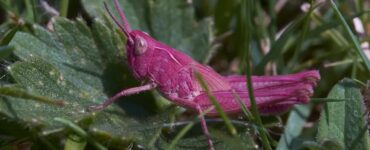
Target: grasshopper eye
<point>140,45</point>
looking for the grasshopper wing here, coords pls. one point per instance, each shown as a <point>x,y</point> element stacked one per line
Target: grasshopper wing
<point>274,100</point>
<point>215,81</point>
<point>238,82</point>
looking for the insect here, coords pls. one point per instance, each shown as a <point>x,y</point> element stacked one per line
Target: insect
<point>172,73</point>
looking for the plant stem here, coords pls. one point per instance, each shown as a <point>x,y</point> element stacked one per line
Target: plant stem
<point>353,38</point>
<point>64,8</point>
<point>217,105</point>
<point>246,21</point>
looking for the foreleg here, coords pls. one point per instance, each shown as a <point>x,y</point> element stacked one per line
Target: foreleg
<point>125,92</point>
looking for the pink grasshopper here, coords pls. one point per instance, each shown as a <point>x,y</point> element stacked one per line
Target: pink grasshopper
<point>173,74</point>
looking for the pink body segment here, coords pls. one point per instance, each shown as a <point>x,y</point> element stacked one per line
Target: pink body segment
<point>172,73</point>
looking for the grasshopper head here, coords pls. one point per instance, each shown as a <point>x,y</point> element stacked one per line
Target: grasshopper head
<point>138,43</point>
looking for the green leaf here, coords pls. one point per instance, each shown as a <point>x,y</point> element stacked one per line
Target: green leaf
<point>323,145</point>
<point>20,93</point>
<point>42,78</point>
<point>295,124</point>
<point>171,22</point>
<point>75,143</point>
<point>71,64</point>
<point>344,121</point>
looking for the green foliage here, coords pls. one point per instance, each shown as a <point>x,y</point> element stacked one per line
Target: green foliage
<point>345,121</point>
<point>67,67</point>
<point>54,67</point>
<point>294,127</point>
<point>161,20</point>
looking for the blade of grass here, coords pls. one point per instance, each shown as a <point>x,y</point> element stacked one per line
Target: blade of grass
<point>360,82</point>
<point>246,112</point>
<point>302,37</point>
<point>30,11</point>
<point>185,130</point>
<point>8,36</point>
<point>360,7</point>
<point>325,100</point>
<point>339,63</point>
<point>155,138</point>
<point>217,105</point>
<point>353,38</point>
<point>354,68</point>
<point>273,24</point>
<point>64,8</point>
<point>260,29</point>
<point>80,132</point>
<point>245,26</point>
<point>75,142</point>
<point>333,33</point>
<point>34,10</point>
<point>326,26</point>
<point>180,135</point>
<point>19,93</point>
<point>277,48</point>
<point>172,118</point>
